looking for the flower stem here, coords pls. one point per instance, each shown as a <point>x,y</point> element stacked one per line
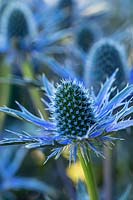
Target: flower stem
<point>5,90</point>
<point>87,167</point>
<point>27,71</point>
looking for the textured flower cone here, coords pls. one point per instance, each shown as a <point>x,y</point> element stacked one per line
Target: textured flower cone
<point>104,58</point>
<point>17,22</point>
<point>72,110</point>
<point>17,25</point>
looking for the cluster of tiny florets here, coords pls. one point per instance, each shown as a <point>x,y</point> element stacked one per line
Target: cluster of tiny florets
<point>72,110</point>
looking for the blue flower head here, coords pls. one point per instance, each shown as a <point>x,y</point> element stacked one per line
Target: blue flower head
<point>72,109</point>
<point>79,119</point>
<point>17,26</point>
<point>104,58</point>
<point>17,22</point>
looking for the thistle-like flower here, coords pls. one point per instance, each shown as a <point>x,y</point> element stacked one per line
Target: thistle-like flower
<point>104,58</point>
<point>17,22</point>
<point>79,119</point>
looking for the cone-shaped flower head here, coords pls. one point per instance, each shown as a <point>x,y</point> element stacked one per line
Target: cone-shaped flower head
<point>72,109</point>
<point>105,57</point>
<point>17,26</point>
<point>17,21</point>
<point>79,119</point>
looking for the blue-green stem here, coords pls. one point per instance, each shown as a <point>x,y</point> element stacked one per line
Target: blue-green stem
<point>27,71</point>
<point>86,163</point>
<point>5,90</point>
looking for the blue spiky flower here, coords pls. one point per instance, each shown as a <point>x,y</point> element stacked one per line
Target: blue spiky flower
<point>17,21</point>
<point>104,58</point>
<point>79,119</point>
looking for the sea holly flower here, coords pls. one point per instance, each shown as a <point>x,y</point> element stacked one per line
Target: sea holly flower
<point>79,119</point>
<point>104,58</point>
<point>17,23</point>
